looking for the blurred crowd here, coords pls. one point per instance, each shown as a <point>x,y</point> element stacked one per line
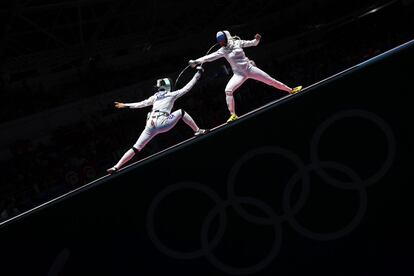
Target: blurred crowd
<point>80,153</point>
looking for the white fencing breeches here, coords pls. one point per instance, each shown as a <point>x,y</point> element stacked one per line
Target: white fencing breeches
<point>155,126</point>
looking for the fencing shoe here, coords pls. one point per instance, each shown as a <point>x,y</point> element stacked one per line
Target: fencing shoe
<point>201,132</point>
<point>112,170</point>
<point>296,90</point>
<point>232,118</point>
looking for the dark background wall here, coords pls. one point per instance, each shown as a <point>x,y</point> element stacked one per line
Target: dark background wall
<point>318,183</point>
<point>63,63</point>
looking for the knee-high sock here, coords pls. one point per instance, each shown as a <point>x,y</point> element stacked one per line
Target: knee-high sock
<point>124,159</point>
<point>280,85</point>
<point>230,102</point>
<point>189,121</point>
<point>260,75</point>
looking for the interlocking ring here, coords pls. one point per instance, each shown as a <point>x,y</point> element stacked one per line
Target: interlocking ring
<point>363,201</point>
<point>292,157</point>
<point>275,222</point>
<point>391,150</point>
<point>181,186</point>
<point>289,212</point>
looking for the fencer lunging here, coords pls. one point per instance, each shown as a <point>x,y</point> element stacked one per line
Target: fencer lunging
<point>243,68</point>
<point>160,119</point>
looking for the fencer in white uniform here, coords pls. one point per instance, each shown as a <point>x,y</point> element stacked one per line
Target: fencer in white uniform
<point>243,68</point>
<point>160,119</point>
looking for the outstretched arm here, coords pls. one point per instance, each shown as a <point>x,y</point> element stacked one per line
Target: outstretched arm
<point>189,85</point>
<point>141,104</point>
<point>211,57</point>
<point>250,43</point>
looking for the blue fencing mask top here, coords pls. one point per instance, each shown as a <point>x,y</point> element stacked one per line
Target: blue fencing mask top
<point>223,38</point>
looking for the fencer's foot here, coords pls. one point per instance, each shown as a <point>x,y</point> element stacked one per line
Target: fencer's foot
<point>296,90</point>
<point>232,118</point>
<point>112,170</point>
<point>201,132</point>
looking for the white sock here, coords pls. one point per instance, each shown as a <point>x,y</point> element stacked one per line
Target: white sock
<point>230,103</point>
<point>127,156</point>
<point>189,121</point>
<point>281,86</point>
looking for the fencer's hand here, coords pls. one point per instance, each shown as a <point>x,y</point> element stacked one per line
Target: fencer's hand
<point>200,69</point>
<point>119,105</point>
<point>258,36</point>
<point>192,63</point>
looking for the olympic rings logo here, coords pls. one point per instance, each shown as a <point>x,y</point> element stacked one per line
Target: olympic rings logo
<point>290,209</point>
